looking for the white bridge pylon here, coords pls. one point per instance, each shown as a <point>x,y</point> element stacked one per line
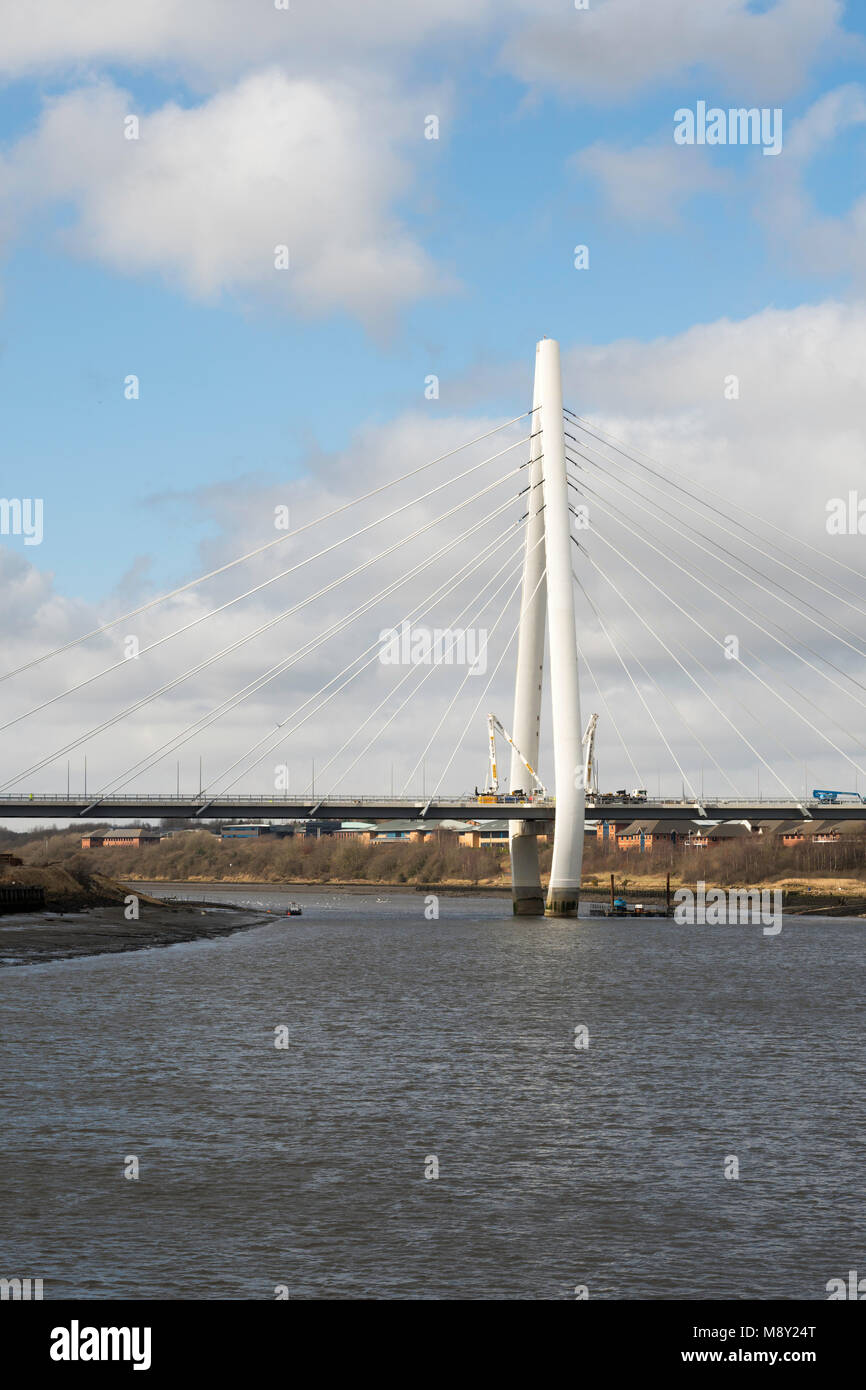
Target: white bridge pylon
<point>548,594</point>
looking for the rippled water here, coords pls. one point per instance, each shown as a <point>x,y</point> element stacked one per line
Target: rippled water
<point>453,1038</point>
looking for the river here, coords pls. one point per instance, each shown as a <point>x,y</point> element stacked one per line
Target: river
<point>412,1040</point>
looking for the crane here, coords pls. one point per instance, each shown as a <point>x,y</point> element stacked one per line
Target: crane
<point>588,753</point>
<point>492,725</point>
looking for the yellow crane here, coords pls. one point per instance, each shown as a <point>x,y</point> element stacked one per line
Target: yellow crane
<point>590,778</point>
<point>493,723</point>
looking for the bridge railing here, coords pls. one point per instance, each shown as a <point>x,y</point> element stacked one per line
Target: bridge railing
<point>251,799</point>
<point>595,805</point>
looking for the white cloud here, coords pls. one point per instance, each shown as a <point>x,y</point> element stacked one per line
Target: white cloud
<point>314,151</point>
<point>213,39</point>
<point>616,47</point>
<point>827,118</point>
<point>244,512</point>
<point>650,183</point>
<point>793,439</point>
<point>813,240</point>
<point>206,193</point>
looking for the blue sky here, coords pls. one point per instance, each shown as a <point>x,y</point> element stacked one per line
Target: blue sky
<point>230,388</point>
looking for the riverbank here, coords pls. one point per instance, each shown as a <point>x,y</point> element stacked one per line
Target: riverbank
<point>838,897</point>
<point>835,872</point>
<point>35,938</point>
<point>63,887</point>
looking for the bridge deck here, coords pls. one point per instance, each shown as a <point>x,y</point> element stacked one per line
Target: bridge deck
<point>49,807</point>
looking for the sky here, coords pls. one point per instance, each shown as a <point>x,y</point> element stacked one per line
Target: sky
<point>307,127</point>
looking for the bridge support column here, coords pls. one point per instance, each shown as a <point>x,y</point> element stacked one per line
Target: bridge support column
<point>563,893</point>
<point>526,891</point>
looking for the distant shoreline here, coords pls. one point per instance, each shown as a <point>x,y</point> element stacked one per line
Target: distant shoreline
<point>796,902</point>
<point>363,885</point>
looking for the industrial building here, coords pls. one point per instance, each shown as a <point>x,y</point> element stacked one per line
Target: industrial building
<point>254,830</point>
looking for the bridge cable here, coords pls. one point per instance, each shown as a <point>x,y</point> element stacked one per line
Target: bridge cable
<point>596,471</point>
<point>584,660</point>
<point>764,728</point>
<point>750,713</point>
<point>587,427</point>
<point>283,737</point>
<point>264,585</point>
<point>637,691</point>
<point>718,590</point>
<point>718,643</point>
<point>195,670</point>
<point>471,720</point>
<point>326,516</point>
<point>649,676</point>
<point>412,693</point>
<point>232,701</point>
<point>459,689</point>
<point>737,534</point>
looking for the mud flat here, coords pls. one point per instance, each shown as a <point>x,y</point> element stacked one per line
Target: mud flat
<point>35,937</point>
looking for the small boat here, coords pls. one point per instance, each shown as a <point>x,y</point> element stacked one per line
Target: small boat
<point>294,910</point>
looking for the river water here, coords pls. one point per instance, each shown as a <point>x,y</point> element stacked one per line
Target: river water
<point>413,1040</point>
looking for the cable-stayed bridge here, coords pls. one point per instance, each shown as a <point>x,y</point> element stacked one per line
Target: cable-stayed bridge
<point>567,526</point>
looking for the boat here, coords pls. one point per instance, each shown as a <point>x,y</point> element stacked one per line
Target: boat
<point>294,910</point>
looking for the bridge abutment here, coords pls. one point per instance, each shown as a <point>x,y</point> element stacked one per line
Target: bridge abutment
<point>527,894</point>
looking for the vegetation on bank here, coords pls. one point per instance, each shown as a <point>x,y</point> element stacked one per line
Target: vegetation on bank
<point>200,856</point>
<point>68,887</point>
<point>752,859</point>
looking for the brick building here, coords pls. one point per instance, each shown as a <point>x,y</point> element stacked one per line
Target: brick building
<point>133,838</point>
